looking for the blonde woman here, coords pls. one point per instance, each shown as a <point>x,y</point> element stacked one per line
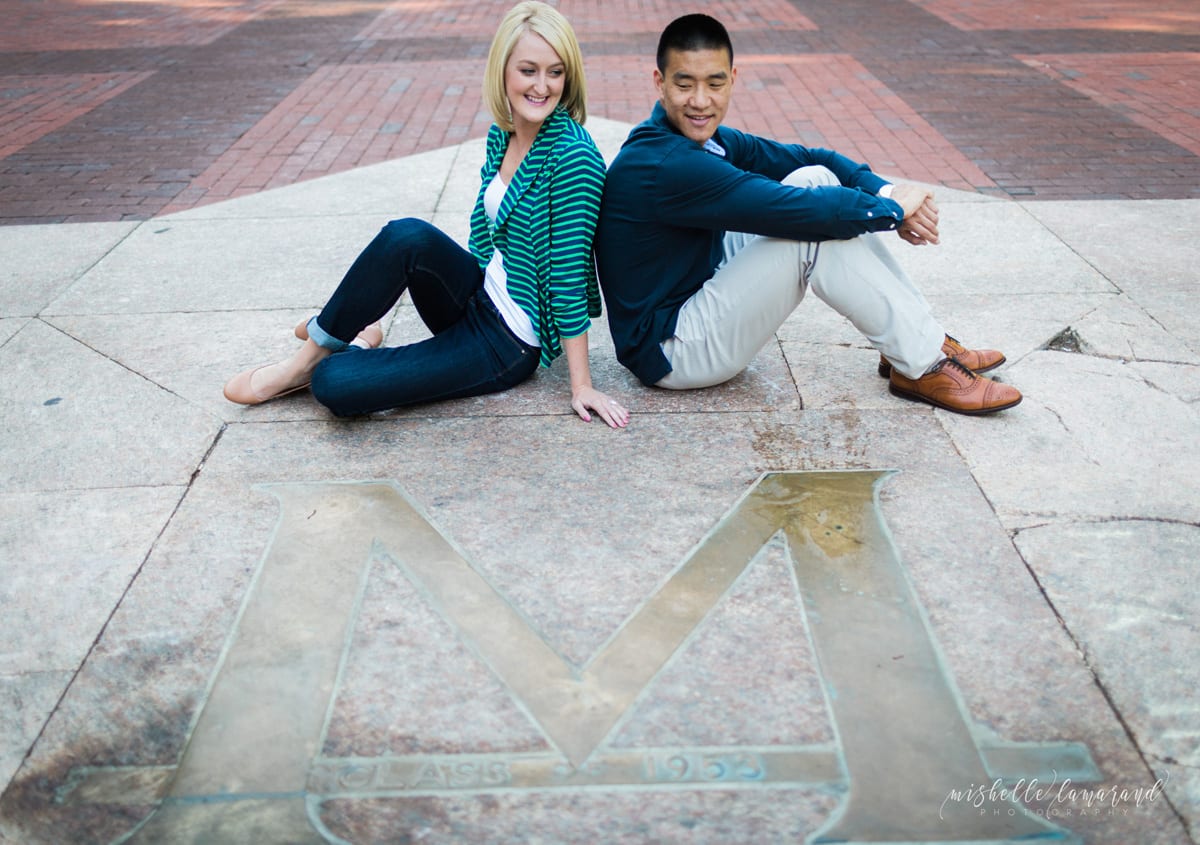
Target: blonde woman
<point>525,290</point>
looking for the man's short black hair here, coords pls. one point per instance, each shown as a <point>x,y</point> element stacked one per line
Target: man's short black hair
<point>693,32</point>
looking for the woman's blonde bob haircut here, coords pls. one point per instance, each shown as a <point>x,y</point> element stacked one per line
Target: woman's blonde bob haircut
<point>549,23</point>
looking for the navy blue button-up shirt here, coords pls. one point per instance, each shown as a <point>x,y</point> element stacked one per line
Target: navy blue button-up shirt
<point>668,202</point>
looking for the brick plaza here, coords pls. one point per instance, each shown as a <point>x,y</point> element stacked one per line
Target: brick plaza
<point>126,110</point>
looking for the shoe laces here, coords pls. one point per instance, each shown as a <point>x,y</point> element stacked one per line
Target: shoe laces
<point>971,374</point>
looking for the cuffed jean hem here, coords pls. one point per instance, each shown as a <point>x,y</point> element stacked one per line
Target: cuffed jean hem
<point>478,354</point>
<point>323,338</point>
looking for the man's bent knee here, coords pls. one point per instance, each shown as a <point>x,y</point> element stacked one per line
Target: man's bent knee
<point>676,380</point>
<point>696,372</point>
<point>813,174</point>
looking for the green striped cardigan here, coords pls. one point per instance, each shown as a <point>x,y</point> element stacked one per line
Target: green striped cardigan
<point>544,228</point>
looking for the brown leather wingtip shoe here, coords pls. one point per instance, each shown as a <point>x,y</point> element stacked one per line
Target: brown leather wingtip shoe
<point>978,360</point>
<point>955,387</point>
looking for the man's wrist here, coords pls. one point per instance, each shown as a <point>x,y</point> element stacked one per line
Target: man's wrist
<point>886,191</point>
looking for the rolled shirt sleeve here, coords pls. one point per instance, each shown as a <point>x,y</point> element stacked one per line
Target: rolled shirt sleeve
<point>742,192</point>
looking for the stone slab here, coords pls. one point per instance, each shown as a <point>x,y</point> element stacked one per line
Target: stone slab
<point>1182,382</point>
<point>26,701</point>
<point>1123,329</point>
<point>1148,245</point>
<point>9,327</point>
<point>412,184</point>
<point>1173,310</point>
<point>574,558</point>
<point>1031,259</point>
<point>1149,251</point>
<point>834,366</point>
<point>708,695</point>
<point>219,345</point>
<point>699,816</point>
<point>1068,451</point>
<point>68,558</point>
<point>222,264</point>
<point>1127,591</point>
<point>1016,325</point>
<point>815,322</point>
<point>839,376</point>
<point>462,182</point>
<point>74,419</point>
<point>40,262</point>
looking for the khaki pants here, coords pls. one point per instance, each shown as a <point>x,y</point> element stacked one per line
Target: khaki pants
<point>762,280</point>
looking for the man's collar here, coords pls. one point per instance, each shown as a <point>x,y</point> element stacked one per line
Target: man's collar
<point>658,116</point>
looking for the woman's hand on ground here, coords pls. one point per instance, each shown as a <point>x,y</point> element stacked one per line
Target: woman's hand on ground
<point>610,410</point>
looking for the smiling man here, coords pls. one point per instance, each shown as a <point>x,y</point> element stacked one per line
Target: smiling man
<point>710,237</point>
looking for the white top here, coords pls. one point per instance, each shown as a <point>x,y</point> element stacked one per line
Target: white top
<point>495,280</point>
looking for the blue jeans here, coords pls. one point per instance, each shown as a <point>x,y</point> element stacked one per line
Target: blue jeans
<point>472,350</point>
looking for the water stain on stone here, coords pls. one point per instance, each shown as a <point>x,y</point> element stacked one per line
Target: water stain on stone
<point>42,805</point>
<point>830,513</point>
<point>777,445</point>
<point>132,729</point>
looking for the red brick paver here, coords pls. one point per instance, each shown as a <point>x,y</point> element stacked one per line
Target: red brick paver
<point>124,109</point>
<point>833,101</point>
<point>346,116</point>
<point>818,100</point>
<point>32,106</point>
<point>468,18</point>
<point>1160,91</point>
<point>71,25</point>
<point>1169,16</point>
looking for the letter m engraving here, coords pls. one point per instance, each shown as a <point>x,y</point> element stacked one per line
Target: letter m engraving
<point>904,742</point>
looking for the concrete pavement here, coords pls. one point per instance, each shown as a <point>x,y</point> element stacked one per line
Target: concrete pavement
<point>792,608</point>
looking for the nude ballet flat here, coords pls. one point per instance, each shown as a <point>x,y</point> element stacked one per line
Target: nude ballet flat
<point>371,336</point>
<point>238,389</point>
